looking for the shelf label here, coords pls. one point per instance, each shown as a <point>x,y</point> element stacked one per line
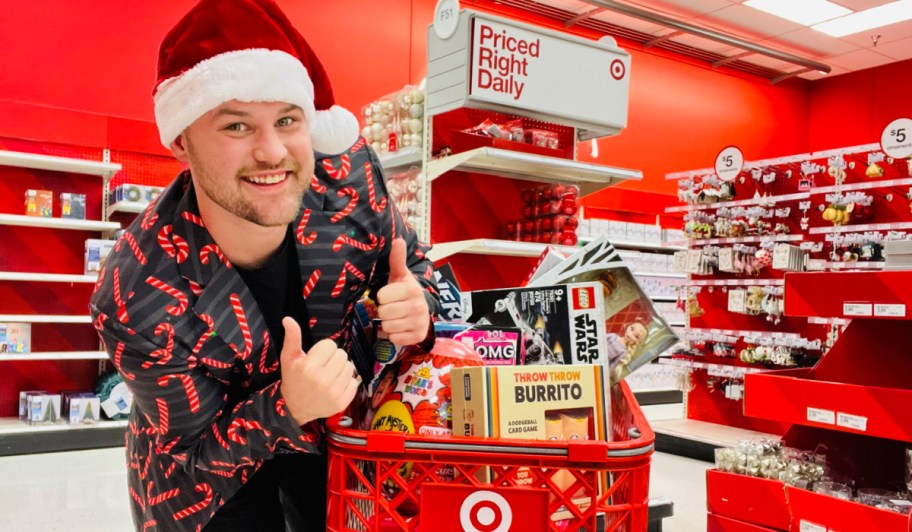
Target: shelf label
<point>896,139</point>
<point>852,422</point>
<point>891,311</point>
<point>729,163</point>
<point>818,415</point>
<point>857,309</point>
<point>807,526</point>
<point>446,18</point>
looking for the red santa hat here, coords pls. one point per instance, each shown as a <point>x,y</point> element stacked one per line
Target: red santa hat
<point>244,50</point>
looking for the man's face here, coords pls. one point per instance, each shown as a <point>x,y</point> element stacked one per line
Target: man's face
<point>252,161</point>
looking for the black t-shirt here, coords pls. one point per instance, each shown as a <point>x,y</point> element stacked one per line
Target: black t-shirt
<point>276,287</point>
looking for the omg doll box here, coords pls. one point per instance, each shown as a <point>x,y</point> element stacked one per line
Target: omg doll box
<point>560,324</point>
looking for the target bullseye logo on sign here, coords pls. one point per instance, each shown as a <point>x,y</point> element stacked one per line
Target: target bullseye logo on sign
<point>464,508</point>
<point>485,511</point>
<point>618,69</point>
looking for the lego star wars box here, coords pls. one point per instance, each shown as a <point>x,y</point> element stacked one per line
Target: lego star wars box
<point>560,324</point>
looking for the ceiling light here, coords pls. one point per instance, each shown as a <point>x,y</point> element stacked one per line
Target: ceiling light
<point>869,18</point>
<point>804,12</point>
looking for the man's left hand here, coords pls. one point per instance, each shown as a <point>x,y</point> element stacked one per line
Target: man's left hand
<point>402,306</point>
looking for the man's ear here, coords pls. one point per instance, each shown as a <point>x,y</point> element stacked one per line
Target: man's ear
<point>179,149</point>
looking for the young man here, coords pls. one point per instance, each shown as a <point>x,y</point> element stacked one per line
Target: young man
<point>225,303</point>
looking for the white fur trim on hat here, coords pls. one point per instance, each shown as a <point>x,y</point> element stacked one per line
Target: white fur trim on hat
<point>255,75</point>
<point>334,130</point>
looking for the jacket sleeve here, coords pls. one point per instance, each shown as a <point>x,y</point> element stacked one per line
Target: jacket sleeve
<point>187,408</point>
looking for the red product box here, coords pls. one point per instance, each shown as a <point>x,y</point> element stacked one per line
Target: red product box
<point>39,203</point>
<point>757,501</point>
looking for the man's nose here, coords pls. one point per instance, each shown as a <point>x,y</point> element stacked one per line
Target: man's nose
<point>270,148</point>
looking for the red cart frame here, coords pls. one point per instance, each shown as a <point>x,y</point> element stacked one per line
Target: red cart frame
<point>382,481</point>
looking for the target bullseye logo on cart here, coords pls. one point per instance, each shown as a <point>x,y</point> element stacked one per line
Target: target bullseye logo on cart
<point>485,511</point>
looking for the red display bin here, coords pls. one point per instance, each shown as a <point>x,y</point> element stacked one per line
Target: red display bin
<point>795,396</point>
<point>829,513</point>
<point>718,523</point>
<point>393,481</point>
<point>753,501</point>
<point>878,295</point>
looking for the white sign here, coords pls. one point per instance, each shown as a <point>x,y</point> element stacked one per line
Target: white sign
<point>891,311</point>
<point>807,526</point>
<point>857,309</point>
<point>519,67</point>
<point>896,139</point>
<point>729,163</point>
<point>821,416</point>
<point>446,18</point>
<point>852,422</point>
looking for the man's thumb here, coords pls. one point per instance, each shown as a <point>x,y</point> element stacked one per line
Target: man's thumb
<point>398,267</point>
<point>292,344</point>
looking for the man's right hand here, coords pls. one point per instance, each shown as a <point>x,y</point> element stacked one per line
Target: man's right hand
<point>316,384</point>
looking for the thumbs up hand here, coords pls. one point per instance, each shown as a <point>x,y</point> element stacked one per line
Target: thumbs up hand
<point>401,304</point>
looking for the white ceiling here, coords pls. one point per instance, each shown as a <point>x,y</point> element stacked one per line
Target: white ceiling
<point>846,54</point>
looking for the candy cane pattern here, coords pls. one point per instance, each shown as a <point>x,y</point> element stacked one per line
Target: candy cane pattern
<point>340,284</point>
<point>316,186</point>
<point>101,278</point>
<point>165,239</point>
<point>170,469</point>
<point>118,355</point>
<point>429,273</point>
<point>162,354</point>
<point>149,524</point>
<point>311,283</point>
<point>280,406</point>
<point>245,329</point>
<point>341,173</point>
<point>209,249</point>
<point>352,203</point>
<point>282,439</point>
<point>344,239</point>
<point>358,145</point>
<point>218,437</point>
<point>275,365</point>
<point>134,247</point>
<point>162,415</point>
<point>195,287</point>
<point>137,498</point>
<point>122,314</point>
<point>149,218</point>
<point>182,301</point>
<point>193,218</point>
<point>299,233</point>
<point>189,388</point>
<point>239,424</point>
<point>371,193</point>
<point>145,468</point>
<point>161,497</point>
<point>313,322</point>
<point>190,510</point>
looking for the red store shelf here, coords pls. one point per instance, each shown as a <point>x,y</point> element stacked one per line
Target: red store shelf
<point>829,513</point>
<point>752,501</point>
<point>795,396</point>
<point>875,294</point>
<point>717,523</point>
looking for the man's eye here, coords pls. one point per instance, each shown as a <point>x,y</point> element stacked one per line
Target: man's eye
<point>285,121</point>
<point>237,126</point>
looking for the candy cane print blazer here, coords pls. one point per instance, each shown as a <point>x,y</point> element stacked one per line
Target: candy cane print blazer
<point>186,334</point>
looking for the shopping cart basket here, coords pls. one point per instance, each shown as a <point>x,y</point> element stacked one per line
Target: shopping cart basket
<point>381,481</point>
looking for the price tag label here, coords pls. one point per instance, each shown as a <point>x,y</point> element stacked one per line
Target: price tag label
<point>818,415</point>
<point>816,265</point>
<point>807,526</point>
<point>729,163</point>
<point>737,301</point>
<point>446,18</point>
<point>857,309</point>
<point>852,422</point>
<point>896,139</point>
<point>890,311</point>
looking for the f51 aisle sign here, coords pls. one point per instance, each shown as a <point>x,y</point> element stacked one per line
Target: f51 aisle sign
<point>538,70</point>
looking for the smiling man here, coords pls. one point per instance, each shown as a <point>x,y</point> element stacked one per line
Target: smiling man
<point>226,305</point>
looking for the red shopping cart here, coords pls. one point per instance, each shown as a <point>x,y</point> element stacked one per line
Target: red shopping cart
<point>381,481</point>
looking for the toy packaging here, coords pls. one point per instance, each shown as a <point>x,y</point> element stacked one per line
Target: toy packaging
<point>450,293</point>
<point>96,252</point>
<point>73,206</point>
<point>498,346</point>
<point>42,408</point>
<point>635,332</point>
<point>15,337</point>
<point>24,402</point>
<point>560,324</point>
<point>39,203</point>
<point>81,407</point>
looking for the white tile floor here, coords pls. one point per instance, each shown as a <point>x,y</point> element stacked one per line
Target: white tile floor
<point>86,491</point>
